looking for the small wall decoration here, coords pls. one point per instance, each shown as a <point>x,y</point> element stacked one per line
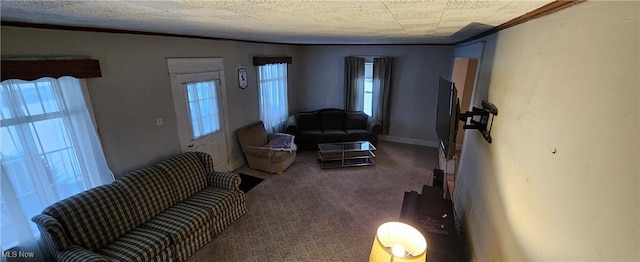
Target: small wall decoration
<point>243,82</point>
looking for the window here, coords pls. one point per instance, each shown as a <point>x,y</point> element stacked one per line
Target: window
<point>368,84</point>
<point>49,151</point>
<point>368,89</point>
<point>274,111</point>
<point>203,108</point>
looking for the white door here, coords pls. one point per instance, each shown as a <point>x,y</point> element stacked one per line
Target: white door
<point>199,102</point>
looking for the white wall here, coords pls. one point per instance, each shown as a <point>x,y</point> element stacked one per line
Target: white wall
<point>414,94</point>
<point>135,89</point>
<point>560,180</point>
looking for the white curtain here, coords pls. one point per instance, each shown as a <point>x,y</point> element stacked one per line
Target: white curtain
<point>274,108</point>
<point>50,151</point>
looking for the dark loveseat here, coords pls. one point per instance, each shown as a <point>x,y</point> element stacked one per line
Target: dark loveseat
<point>332,125</point>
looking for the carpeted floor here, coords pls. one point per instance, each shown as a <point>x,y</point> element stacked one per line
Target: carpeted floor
<point>313,214</point>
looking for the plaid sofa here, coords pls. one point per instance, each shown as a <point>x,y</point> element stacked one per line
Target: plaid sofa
<point>163,212</point>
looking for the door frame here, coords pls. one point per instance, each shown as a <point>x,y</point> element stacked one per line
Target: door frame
<point>179,66</point>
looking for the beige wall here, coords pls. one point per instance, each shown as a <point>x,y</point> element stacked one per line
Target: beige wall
<point>560,180</point>
<point>135,89</point>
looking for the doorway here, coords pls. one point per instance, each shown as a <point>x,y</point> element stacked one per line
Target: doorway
<point>199,97</point>
<point>464,76</point>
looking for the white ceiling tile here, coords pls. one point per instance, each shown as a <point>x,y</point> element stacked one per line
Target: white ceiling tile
<point>282,21</point>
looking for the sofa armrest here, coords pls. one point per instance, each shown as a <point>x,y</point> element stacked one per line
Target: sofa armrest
<point>78,253</point>
<point>373,126</point>
<point>292,126</point>
<point>257,151</point>
<point>52,233</point>
<point>224,180</point>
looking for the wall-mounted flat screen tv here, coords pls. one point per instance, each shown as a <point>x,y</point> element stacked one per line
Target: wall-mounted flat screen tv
<point>447,117</point>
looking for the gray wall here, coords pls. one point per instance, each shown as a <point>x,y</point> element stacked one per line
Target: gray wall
<point>135,89</point>
<point>560,180</point>
<point>413,103</point>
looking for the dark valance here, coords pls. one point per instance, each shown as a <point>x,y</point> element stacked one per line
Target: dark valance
<point>263,60</point>
<point>35,69</point>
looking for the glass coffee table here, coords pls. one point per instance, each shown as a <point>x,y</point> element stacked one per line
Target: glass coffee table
<point>345,154</point>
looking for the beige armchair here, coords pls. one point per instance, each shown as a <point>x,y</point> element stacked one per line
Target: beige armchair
<point>263,151</point>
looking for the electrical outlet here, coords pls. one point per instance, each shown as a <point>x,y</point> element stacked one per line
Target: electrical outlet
<point>159,122</point>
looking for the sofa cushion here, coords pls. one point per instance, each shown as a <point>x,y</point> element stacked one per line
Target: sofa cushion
<point>149,190</point>
<point>139,244</point>
<point>186,173</point>
<point>333,135</point>
<point>309,121</point>
<point>310,136</point>
<point>356,120</point>
<point>95,217</point>
<point>358,135</point>
<point>78,253</point>
<point>180,221</point>
<point>214,199</point>
<point>332,119</point>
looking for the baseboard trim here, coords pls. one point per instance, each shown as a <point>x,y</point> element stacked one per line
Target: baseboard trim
<point>410,141</point>
<point>237,163</point>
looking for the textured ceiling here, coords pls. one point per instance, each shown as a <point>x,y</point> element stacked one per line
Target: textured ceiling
<point>282,21</point>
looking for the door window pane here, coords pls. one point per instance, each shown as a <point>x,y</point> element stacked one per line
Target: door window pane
<point>203,108</point>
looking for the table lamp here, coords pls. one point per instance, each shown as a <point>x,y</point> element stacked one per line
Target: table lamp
<point>396,242</point>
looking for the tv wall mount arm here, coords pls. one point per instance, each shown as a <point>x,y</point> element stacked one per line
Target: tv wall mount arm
<point>480,119</point>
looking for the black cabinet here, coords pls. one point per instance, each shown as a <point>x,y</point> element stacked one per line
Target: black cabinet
<point>433,216</point>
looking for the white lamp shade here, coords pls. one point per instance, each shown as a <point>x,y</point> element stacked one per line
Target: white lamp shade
<point>394,238</point>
